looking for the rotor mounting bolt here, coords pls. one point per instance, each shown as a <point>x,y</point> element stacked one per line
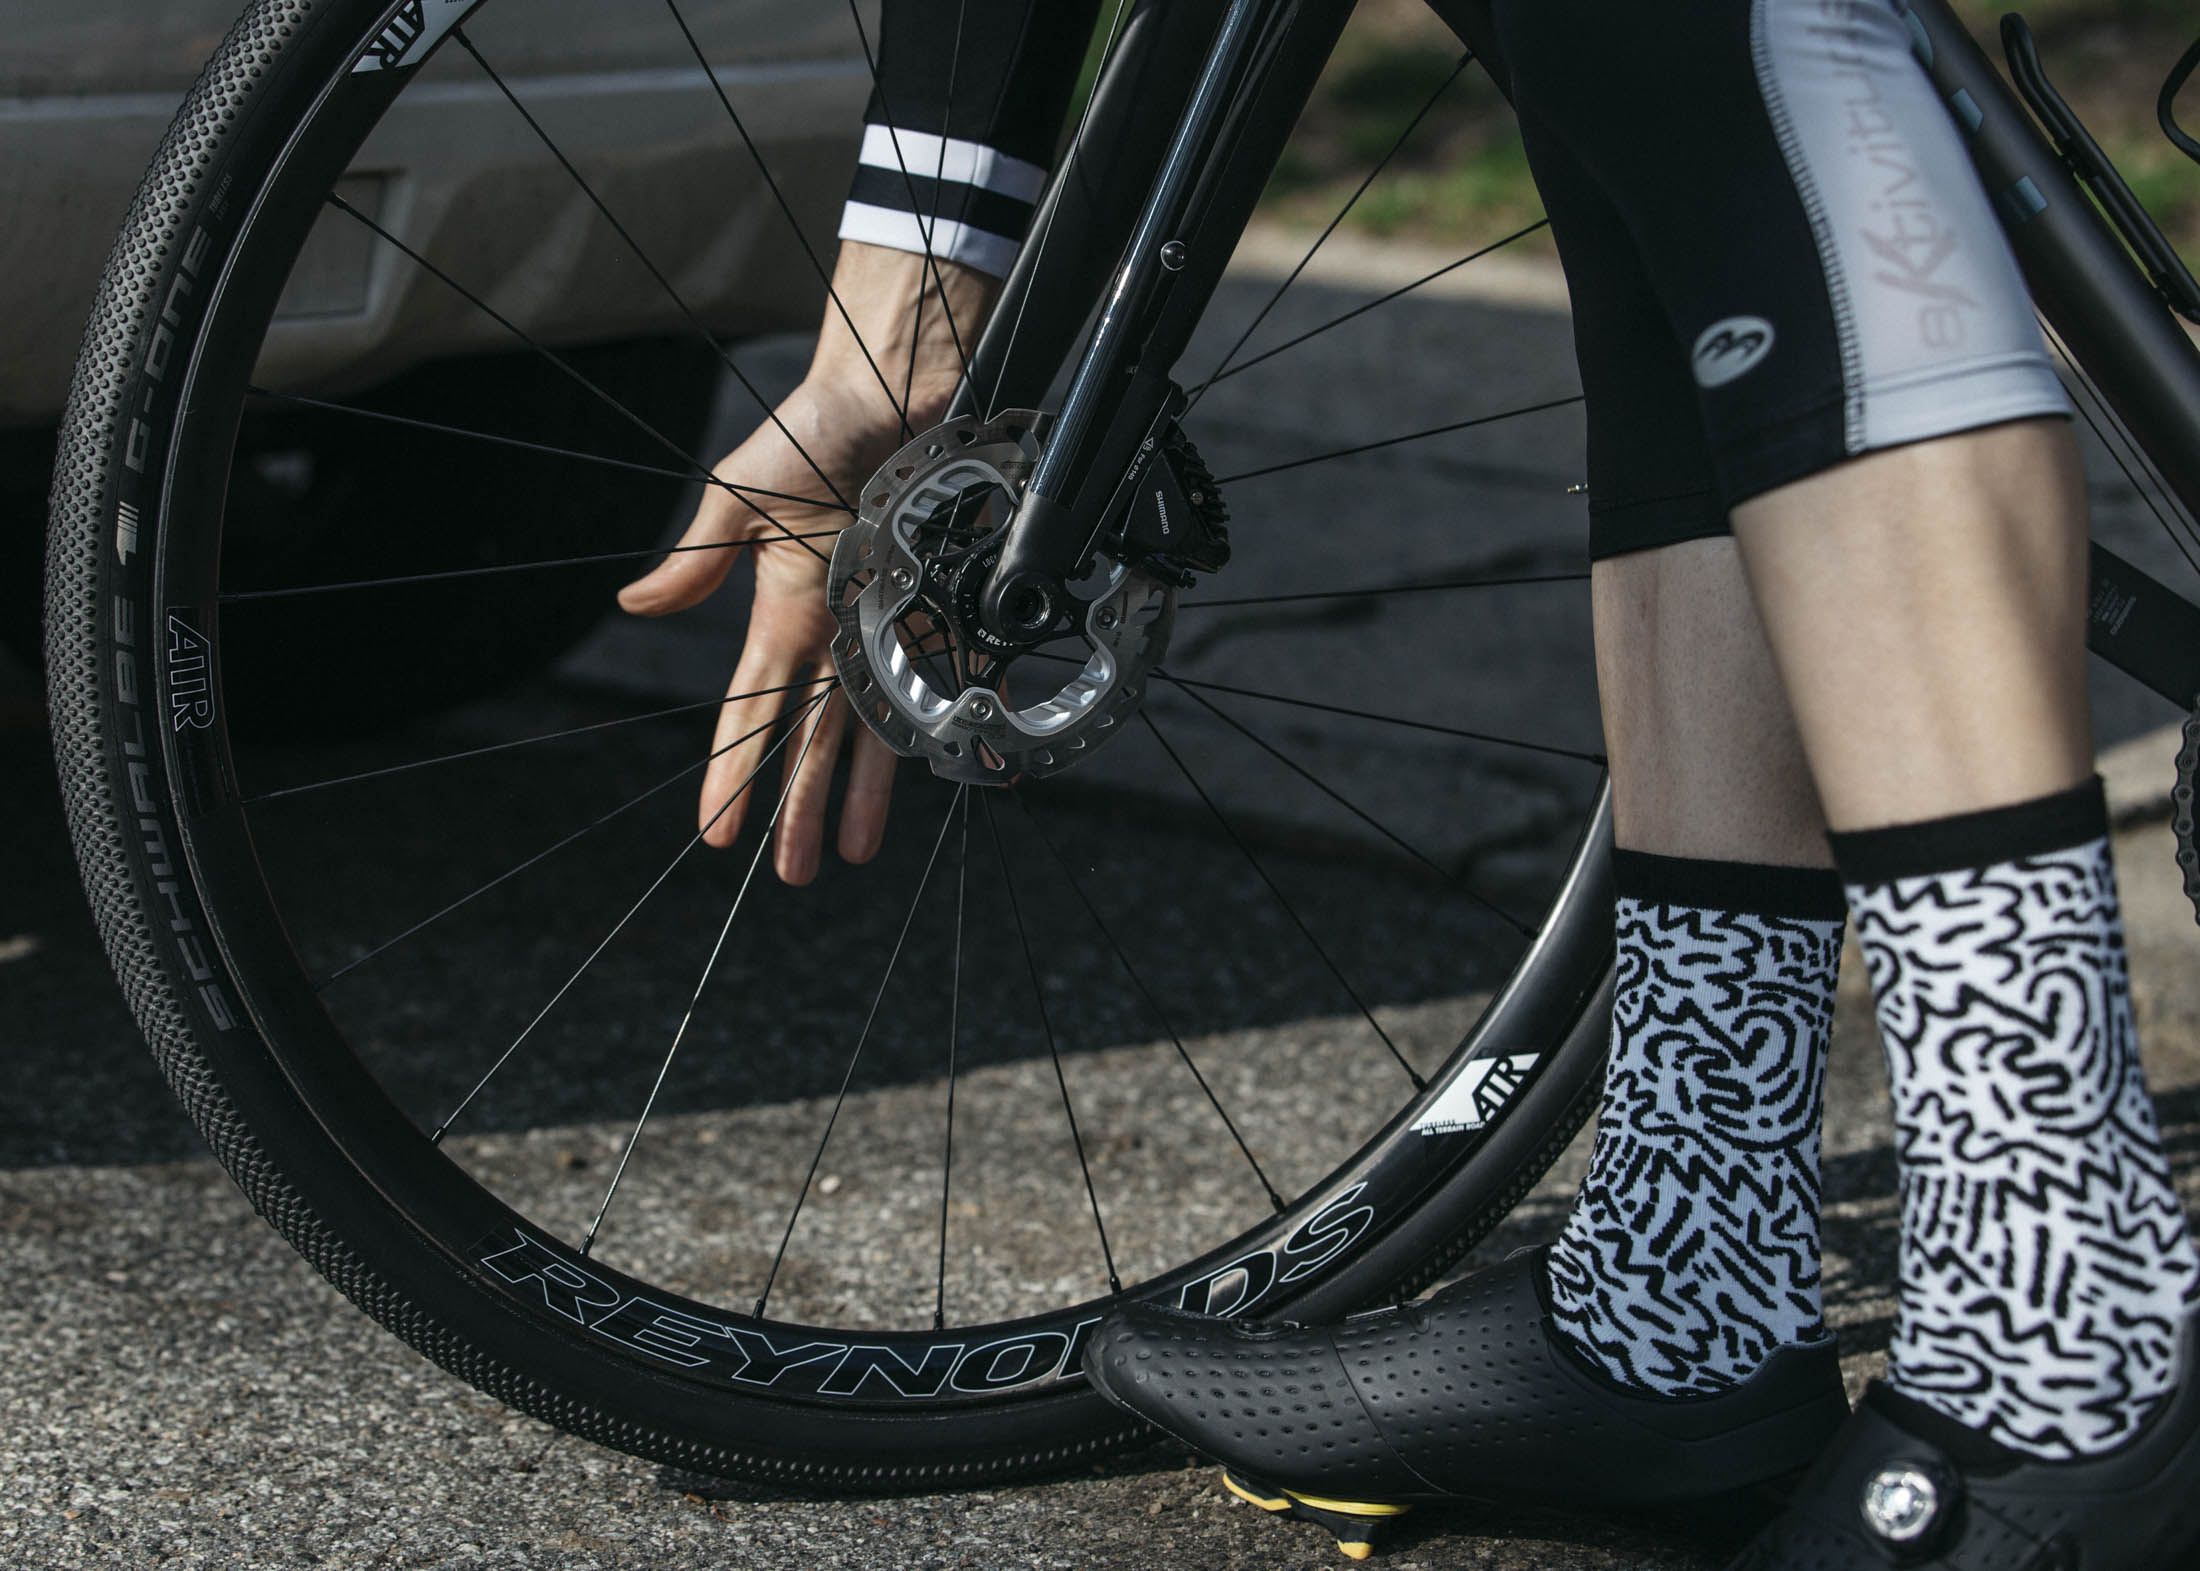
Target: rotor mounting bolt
<point>981,709</point>
<point>1174,255</point>
<point>903,578</point>
<point>1104,618</point>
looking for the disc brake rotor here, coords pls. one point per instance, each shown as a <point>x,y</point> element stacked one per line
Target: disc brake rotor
<point>913,657</point>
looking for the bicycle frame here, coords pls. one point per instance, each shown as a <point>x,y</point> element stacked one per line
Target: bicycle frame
<point>2088,287</point>
<point>1194,111</point>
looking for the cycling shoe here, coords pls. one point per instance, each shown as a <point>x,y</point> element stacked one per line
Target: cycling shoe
<point>1472,1394</point>
<point>1905,1486</point>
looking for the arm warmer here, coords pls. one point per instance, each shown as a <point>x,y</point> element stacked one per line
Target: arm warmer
<point>962,123</point>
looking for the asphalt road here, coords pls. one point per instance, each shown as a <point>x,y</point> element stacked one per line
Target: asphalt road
<point>178,1389</point>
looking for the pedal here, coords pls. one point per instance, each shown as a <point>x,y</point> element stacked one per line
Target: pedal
<point>1355,1524</point>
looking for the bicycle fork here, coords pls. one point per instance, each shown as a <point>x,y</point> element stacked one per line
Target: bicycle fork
<point>1240,100</point>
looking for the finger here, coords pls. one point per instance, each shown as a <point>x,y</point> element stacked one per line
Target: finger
<point>801,831</point>
<point>735,755</point>
<point>871,767</point>
<point>705,555</point>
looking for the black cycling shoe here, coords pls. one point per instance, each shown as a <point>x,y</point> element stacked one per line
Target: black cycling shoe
<point>1908,1487</point>
<point>1472,1394</point>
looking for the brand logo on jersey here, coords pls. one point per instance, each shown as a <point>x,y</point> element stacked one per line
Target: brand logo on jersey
<point>1728,349</point>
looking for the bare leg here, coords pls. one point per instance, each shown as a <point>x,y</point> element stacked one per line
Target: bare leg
<point>1727,942</point>
<point>1926,607</point>
<point>1705,758</point>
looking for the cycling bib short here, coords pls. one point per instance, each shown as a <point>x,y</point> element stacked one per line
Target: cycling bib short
<point>1779,254</point>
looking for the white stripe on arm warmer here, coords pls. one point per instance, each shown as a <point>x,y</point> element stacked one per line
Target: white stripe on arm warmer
<point>964,116</point>
<point>963,201</point>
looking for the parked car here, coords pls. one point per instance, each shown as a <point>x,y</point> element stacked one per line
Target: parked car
<point>455,174</point>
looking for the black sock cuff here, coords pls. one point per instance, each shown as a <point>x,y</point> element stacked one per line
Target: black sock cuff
<point>1966,841</point>
<point>1752,887</point>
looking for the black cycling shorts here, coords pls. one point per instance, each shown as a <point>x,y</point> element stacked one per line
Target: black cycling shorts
<point>1779,254</point>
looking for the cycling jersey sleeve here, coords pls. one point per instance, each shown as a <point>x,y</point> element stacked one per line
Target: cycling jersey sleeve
<point>962,124</point>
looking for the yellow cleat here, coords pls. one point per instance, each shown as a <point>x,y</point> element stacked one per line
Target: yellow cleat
<point>1353,1523</point>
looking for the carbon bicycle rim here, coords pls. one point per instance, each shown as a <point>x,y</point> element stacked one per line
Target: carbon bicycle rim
<point>1279,1004</point>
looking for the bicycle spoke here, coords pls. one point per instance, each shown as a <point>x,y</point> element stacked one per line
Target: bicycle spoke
<point>1046,1026</point>
<point>909,184</point>
<point>732,488</point>
<point>1394,441</point>
<point>641,256</point>
<point>1380,300</point>
<point>939,191</point>
<point>695,469</point>
<point>1464,735</point>
<point>631,912</point>
<point>1385,589</point>
<point>524,741</point>
<point>925,651</point>
<point>954,1031</point>
<point>1382,163</point>
<point>811,723</point>
<point>1289,909</point>
<point>1054,206</point>
<point>549,851</point>
<point>786,208</point>
<point>1261,742</point>
<point>444,576</point>
<point>863,1037</point>
<point>1160,1015</point>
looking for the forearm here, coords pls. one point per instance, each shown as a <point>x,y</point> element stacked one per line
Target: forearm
<point>879,345</point>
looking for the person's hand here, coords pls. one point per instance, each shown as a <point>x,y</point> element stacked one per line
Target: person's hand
<point>826,440</point>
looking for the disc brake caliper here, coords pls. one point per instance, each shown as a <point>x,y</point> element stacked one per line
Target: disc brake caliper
<point>1175,525</point>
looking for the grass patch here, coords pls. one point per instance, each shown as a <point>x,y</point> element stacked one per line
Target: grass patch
<point>1460,177</point>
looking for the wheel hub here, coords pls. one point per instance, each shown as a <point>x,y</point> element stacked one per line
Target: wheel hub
<point>912,653</point>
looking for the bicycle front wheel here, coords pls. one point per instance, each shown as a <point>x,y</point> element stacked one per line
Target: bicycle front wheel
<point>1278,1003</point>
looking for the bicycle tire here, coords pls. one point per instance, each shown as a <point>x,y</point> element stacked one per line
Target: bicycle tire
<point>321,1147</point>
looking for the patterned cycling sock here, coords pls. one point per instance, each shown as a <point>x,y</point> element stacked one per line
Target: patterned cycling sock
<point>2045,1265</point>
<point>1692,1250</point>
